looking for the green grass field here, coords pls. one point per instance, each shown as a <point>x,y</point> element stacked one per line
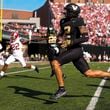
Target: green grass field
<point>31,91</point>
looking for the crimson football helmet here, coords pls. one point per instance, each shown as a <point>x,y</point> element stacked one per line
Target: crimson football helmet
<point>14,35</point>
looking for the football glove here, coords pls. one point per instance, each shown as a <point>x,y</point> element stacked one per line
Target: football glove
<point>53,51</point>
<point>66,43</point>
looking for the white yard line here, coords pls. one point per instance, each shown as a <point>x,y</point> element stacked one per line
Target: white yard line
<point>27,70</point>
<point>95,98</point>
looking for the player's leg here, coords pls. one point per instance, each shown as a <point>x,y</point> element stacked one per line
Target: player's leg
<point>108,70</point>
<point>59,76</point>
<point>2,62</point>
<point>4,68</point>
<point>21,59</point>
<point>9,60</point>
<point>51,55</point>
<point>83,67</point>
<point>30,66</point>
<point>53,72</point>
<point>97,74</point>
<point>64,58</point>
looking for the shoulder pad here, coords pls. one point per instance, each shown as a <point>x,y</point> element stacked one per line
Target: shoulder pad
<point>63,20</point>
<point>78,22</point>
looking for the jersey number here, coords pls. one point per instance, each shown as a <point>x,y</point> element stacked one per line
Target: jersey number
<point>67,29</point>
<point>52,39</point>
<point>15,46</point>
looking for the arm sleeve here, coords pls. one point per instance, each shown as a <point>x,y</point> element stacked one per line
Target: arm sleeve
<point>61,32</point>
<point>83,30</point>
<point>79,40</point>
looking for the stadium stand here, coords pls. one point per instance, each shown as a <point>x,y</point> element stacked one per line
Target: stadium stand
<point>97,16</point>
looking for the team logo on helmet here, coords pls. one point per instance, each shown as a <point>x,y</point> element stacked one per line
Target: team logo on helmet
<point>74,7</point>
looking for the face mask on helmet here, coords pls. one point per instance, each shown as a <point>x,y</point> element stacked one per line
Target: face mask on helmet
<point>72,10</point>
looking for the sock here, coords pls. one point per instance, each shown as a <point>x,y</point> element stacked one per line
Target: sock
<point>61,87</point>
<point>2,73</point>
<point>33,67</point>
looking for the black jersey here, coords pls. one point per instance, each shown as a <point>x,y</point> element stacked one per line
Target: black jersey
<point>70,29</point>
<point>51,36</point>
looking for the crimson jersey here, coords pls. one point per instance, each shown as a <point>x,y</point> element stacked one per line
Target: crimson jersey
<point>16,46</point>
<point>17,53</point>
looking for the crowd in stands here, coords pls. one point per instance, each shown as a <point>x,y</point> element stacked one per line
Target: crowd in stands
<point>26,30</point>
<point>97,17</point>
<point>98,23</point>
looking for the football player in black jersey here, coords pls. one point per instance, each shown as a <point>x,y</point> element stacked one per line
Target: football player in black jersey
<point>53,48</point>
<point>73,32</point>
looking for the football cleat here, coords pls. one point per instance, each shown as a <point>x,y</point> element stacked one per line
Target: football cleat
<point>59,93</point>
<point>36,69</point>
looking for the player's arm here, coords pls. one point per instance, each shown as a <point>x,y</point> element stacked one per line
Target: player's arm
<point>80,40</point>
<point>81,24</point>
<point>76,41</point>
<point>8,50</point>
<point>52,42</point>
<point>60,35</point>
<point>83,38</point>
<point>83,31</point>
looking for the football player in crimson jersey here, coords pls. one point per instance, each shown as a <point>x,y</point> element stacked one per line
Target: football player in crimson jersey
<point>16,54</point>
<point>73,32</point>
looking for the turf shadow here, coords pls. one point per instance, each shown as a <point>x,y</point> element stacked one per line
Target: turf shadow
<point>26,76</point>
<point>32,93</point>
